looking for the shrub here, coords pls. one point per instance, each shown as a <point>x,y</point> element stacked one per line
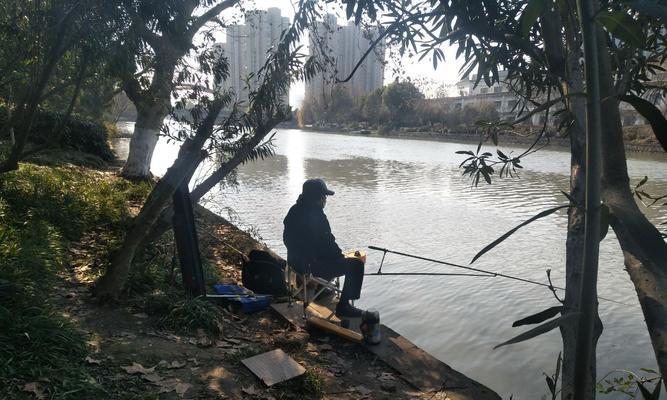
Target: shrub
<point>79,133</point>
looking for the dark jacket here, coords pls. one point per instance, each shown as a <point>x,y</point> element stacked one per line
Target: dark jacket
<point>307,235</point>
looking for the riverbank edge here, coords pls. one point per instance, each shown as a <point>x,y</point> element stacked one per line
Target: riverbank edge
<point>474,138</point>
<point>249,243</point>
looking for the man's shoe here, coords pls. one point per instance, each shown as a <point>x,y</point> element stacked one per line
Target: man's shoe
<point>346,310</point>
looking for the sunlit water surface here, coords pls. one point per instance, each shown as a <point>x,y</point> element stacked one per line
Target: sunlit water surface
<point>409,196</point>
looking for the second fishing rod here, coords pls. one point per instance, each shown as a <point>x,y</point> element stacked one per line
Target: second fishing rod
<point>481,272</point>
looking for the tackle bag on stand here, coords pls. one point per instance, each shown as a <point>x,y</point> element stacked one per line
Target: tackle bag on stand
<point>264,273</point>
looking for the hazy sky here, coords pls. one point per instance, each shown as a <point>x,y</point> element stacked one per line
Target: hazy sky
<point>447,72</point>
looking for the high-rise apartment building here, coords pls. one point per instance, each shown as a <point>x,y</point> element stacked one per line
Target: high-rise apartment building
<point>339,49</point>
<point>247,46</point>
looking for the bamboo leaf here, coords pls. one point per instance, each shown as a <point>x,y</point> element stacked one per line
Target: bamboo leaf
<point>646,395</point>
<point>652,115</point>
<point>569,197</point>
<point>642,182</point>
<point>551,384</point>
<point>530,15</point>
<point>516,228</point>
<point>539,317</point>
<point>604,221</point>
<point>623,27</point>
<point>541,329</point>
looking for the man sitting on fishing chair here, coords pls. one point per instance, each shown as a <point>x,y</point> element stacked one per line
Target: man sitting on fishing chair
<point>307,236</point>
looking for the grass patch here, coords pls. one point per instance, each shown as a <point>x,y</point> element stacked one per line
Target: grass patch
<point>310,385</point>
<point>68,198</point>
<point>188,315</point>
<point>43,210</point>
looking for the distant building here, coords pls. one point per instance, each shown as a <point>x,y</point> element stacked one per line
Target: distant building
<point>508,105</point>
<point>247,46</point>
<point>339,49</point>
<point>499,95</point>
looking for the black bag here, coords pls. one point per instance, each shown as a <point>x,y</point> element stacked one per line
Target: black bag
<point>264,273</point>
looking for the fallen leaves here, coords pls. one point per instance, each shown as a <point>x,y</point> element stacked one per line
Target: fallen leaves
<point>165,384</point>
<point>174,385</point>
<point>250,390</point>
<point>91,360</point>
<point>175,364</point>
<point>34,388</point>
<point>137,368</point>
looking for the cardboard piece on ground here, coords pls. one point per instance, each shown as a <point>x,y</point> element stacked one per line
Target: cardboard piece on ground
<point>273,367</point>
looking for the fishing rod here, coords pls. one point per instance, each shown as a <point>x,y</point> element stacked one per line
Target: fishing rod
<point>425,274</point>
<point>491,274</point>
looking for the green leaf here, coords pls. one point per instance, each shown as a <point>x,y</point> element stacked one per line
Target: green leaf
<point>623,27</point>
<point>530,15</point>
<point>569,197</point>
<point>541,329</point>
<point>642,182</point>
<point>551,384</point>
<point>516,228</point>
<point>646,395</point>
<point>604,221</point>
<point>652,115</point>
<point>539,317</point>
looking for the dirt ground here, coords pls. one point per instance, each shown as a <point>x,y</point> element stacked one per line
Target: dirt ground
<point>132,359</point>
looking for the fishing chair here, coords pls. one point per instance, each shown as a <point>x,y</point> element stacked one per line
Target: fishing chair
<point>297,284</point>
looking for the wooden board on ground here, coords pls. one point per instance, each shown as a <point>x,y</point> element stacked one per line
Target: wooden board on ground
<point>273,367</point>
<point>415,365</point>
<point>328,326</point>
<point>294,314</point>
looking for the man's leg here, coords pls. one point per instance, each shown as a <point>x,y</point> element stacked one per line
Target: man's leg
<point>354,277</point>
<point>353,270</point>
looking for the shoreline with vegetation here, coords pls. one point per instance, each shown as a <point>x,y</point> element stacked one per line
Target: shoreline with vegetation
<point>638,145</point>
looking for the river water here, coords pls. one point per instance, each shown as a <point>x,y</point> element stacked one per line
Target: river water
<point>409,196</point>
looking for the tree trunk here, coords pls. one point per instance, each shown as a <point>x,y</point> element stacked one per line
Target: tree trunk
<point>644,249</point>
<point>143,142</point>
<point>189,156</point>
<point>575,243</point>
<point>563,59</point>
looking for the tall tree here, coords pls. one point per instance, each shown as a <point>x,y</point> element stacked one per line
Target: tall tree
<point>401,99</point>
<point>151,63</point>
<point>238,138</point>
<point>539,43</point>
<point>48,50</point>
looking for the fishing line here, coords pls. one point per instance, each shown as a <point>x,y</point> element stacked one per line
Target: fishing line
<point>487,273</point>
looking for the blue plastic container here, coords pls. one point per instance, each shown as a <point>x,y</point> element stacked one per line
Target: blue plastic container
<point>245,299</point>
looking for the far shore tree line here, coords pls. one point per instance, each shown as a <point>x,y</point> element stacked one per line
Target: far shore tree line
<point>399,104</point>
<point>402,106</point>
<point>574,59</point>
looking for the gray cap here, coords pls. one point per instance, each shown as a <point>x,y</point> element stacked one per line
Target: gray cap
<point>316,187</point>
